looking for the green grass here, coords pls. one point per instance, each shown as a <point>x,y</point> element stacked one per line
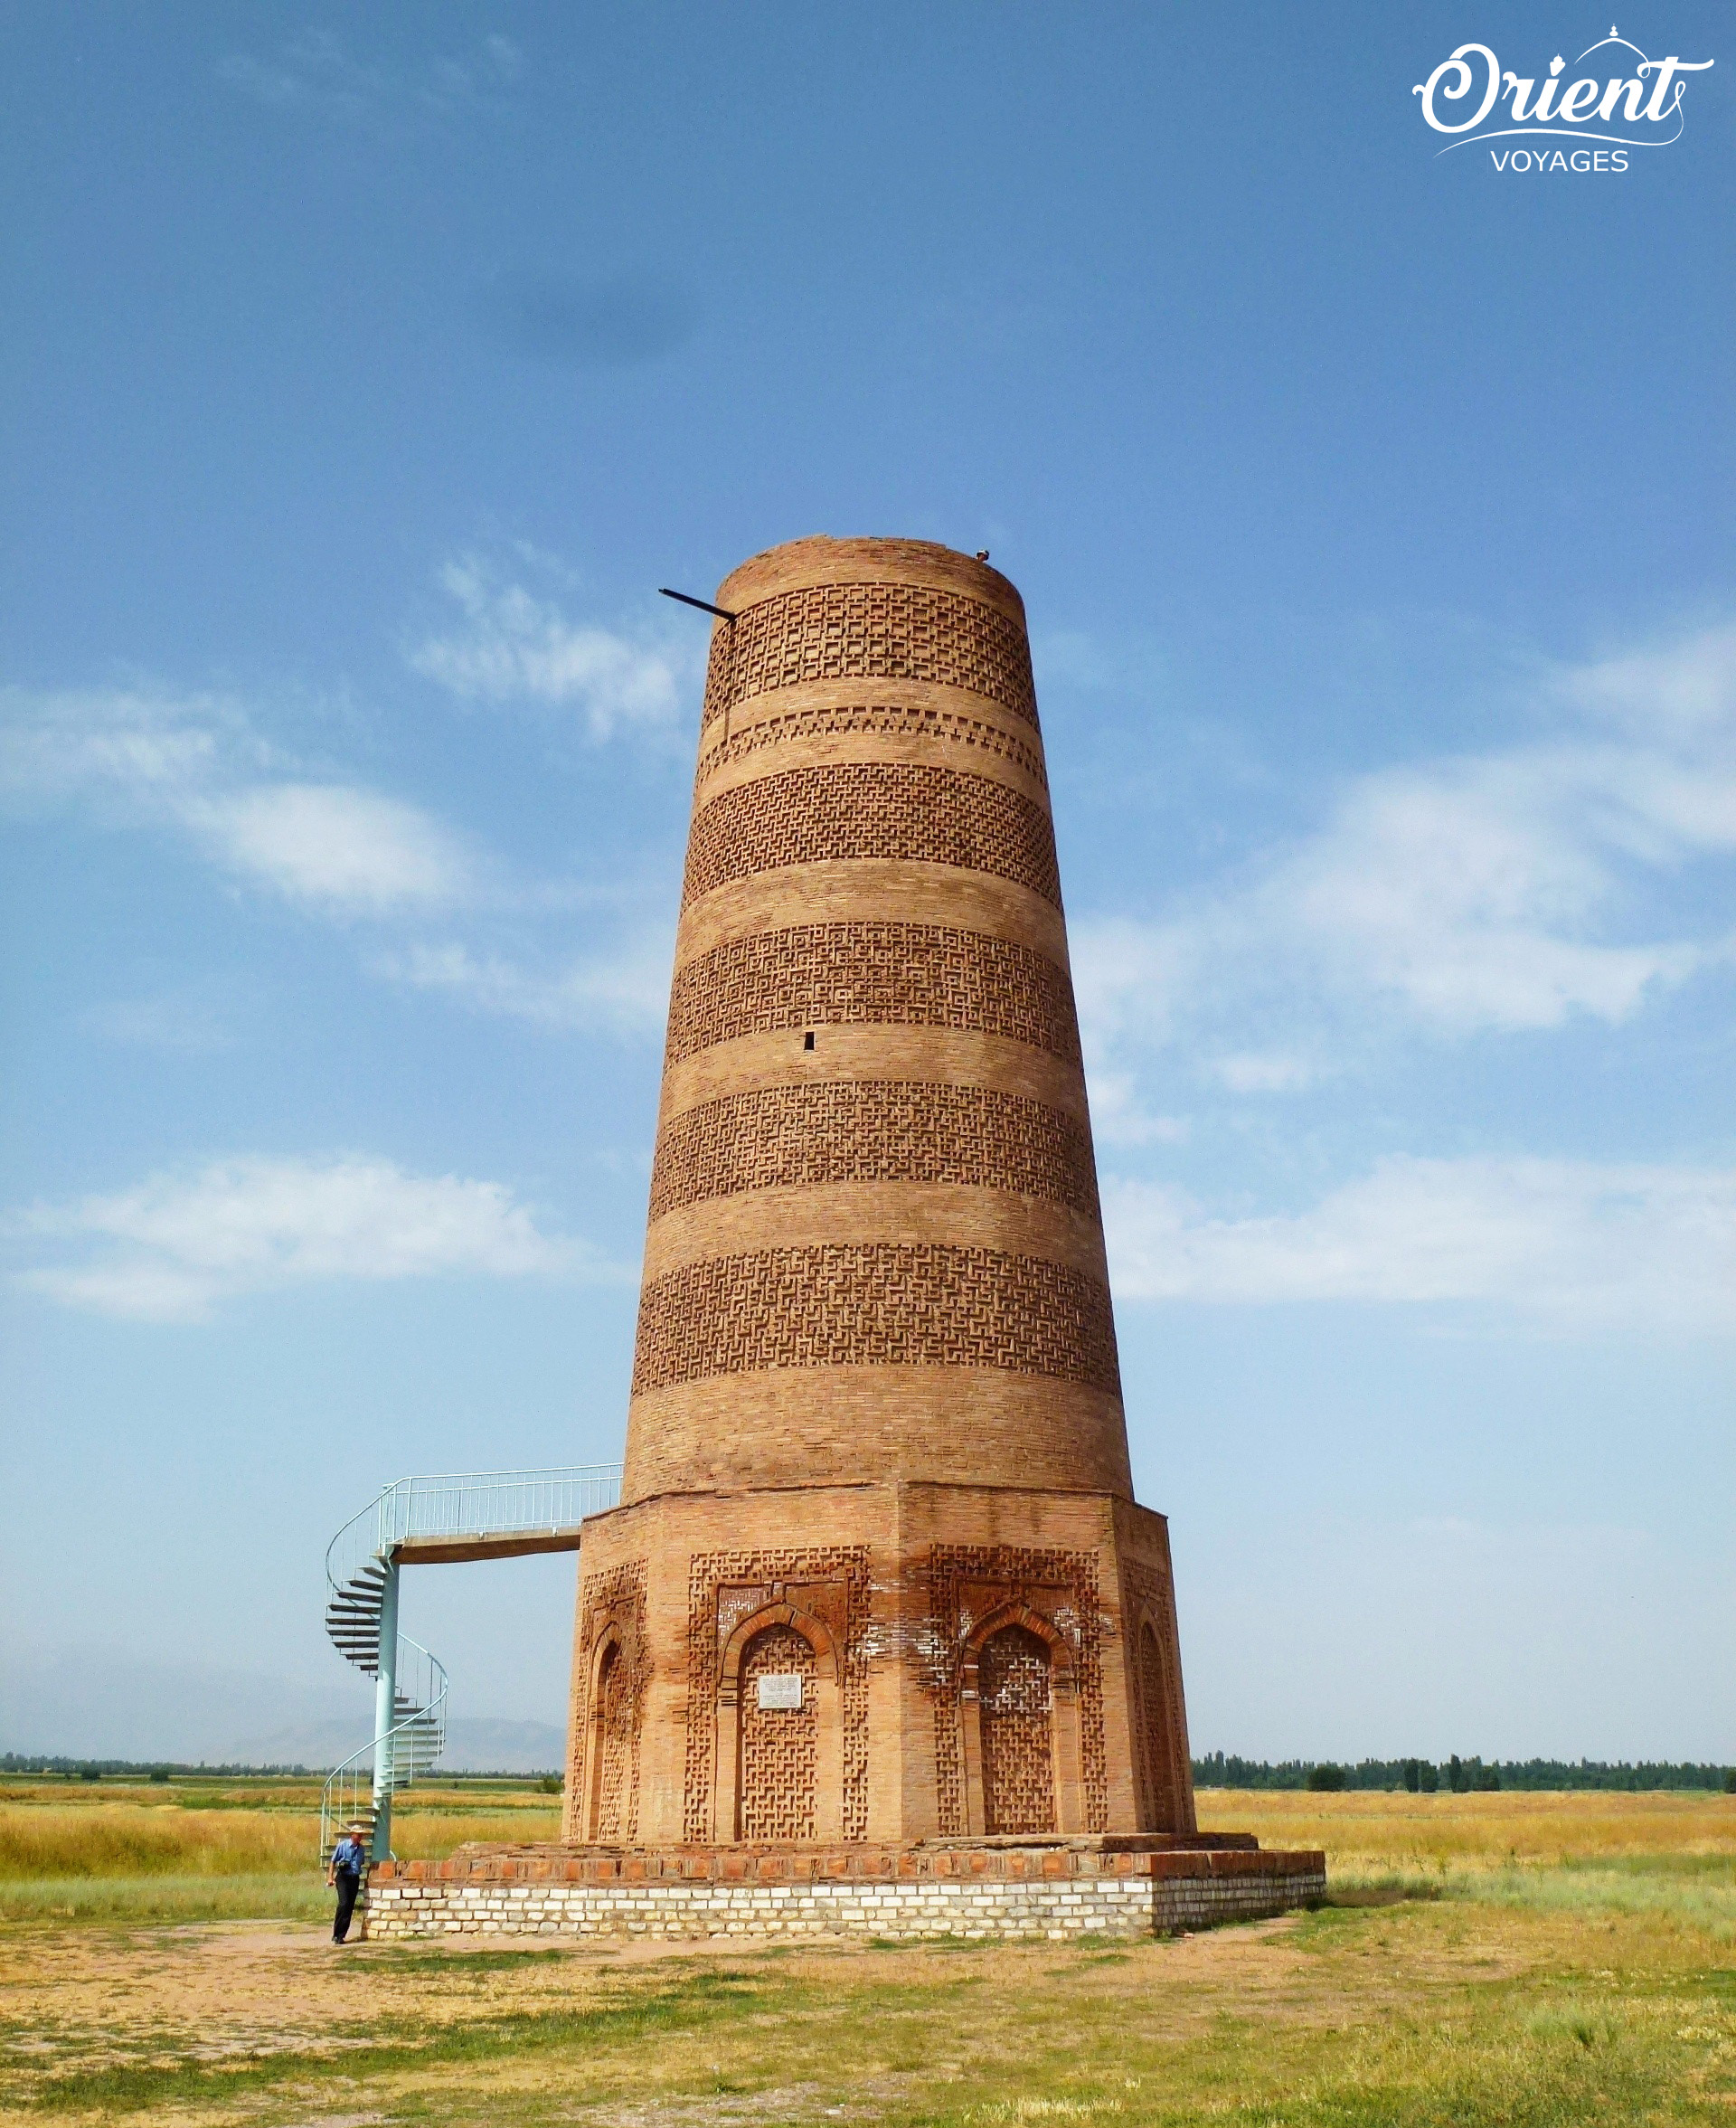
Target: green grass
<point>246,1896</point>
<point>1478,1966</point>
<point>909,2041</point>
<point>692,2003</point>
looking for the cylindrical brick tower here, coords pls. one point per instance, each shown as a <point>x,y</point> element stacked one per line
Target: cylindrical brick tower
<point>878,1572</point>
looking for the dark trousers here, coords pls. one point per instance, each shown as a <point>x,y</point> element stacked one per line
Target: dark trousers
<point>349,1882</point>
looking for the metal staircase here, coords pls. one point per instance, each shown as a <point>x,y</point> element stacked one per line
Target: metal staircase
<point>476,1515</point>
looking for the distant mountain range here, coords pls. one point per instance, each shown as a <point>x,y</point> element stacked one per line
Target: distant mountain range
<point>92,1703</point>
<point>473,1745</point>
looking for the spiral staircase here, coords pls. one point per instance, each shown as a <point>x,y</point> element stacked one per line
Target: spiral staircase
<point>429,1521</point>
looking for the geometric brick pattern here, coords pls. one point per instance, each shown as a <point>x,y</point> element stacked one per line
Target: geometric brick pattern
<point>874,1304</point>
<point>615,1719</point>
<point>874,1155</point>
<point>872,1130</point>
<point>779,1745</point>
<point>869,631</point>
<point>852,719</point>
<point>752,1578</point>
<point>898,809</point>
<point>965,1583</point>
<point>612,1600</point>
<point>1017,1732</point>
<point>1159,1725</point>
<point>877,973</point>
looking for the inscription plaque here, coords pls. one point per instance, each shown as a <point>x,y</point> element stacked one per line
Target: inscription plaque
<point>780,1688</point>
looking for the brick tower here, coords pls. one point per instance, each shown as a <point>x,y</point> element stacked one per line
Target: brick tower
<point>878,1573</point>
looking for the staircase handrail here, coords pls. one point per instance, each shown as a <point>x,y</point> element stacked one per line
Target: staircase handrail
<point>362,1567</point>
<point>471,1504</point>
<point>429,1717</point>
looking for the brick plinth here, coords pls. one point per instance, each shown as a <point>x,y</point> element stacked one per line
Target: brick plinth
<point>992,1889</point>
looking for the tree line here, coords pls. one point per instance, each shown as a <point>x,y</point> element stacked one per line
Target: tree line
<point>1458,1775</point>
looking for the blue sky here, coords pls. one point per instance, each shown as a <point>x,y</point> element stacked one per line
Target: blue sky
<point>364,372</point>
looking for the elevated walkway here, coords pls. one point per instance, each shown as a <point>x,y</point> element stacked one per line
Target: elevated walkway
<point>429,1521</point>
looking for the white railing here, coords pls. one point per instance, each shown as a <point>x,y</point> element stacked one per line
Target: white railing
<point>472,1504</point>
<point>362,1569</point>
<point>413,1743</point>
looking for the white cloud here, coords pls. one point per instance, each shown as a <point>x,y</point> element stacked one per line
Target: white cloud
<point>1116,960</point>
<point>315,72</point>
<point>175,1024</point>
<point>1474,891</point>
<point>627,992</point>
<point>169,1250</point>
<point>514,647</point>
<point>1569,1242</point>
<point>1119,1119</point>
<point>1250,1073</point>
<point>1683,688</point>
<point>334,844</point>
<point>1511,890</point>
<point>194,763</point>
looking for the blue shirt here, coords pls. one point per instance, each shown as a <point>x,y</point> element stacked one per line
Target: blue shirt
<point>350,1854</point>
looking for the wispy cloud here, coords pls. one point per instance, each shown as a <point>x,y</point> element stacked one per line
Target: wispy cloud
<point>1120,1119</point>
<point>173,1248</point>
<point>1569,1243</point>
<point>315,73</point>
<point>1512,890</point>
<point>173,1023</point>
<point>626,992</point>
<point>512,645</point>
<point>193,764</point>
<point>343,847</point>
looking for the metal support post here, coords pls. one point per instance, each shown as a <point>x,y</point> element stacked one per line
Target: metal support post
<point>385,1714</point>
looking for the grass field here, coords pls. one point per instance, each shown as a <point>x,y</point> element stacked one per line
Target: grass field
<point>1528,1959</point>
<point>196,1851</point>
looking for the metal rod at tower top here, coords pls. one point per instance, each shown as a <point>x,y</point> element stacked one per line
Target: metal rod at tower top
<point>704,605</point>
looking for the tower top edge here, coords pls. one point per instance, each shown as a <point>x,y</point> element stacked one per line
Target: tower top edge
<point>799,565</point>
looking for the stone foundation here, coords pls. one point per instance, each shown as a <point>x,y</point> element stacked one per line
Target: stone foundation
<point>1009,1890</point>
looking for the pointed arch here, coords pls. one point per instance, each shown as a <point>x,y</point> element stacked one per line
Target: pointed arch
<point>612,1759</point>
<point>1165,1805</point>
<point>1020,1703</point>
<point>779,1773</point>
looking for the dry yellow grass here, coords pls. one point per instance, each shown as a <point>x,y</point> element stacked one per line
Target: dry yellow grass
<point>1575,1967</point>
<point>1375,1830</point>
<point>106,1836</point>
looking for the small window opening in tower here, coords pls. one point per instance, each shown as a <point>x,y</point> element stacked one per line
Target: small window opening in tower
<point>807,1041</point>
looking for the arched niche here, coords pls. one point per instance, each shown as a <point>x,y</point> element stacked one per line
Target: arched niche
<point>613,1741</point>
<point>743,1728</point>
<point>1064,1760</point>
<point>1165,1809</point>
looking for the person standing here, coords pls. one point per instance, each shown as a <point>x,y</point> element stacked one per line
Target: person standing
<point>349,1866</point>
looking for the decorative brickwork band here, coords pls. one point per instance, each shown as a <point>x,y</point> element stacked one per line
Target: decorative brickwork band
<point>968,1585</point>
<point>901,809</point>
<point>874,1304</point>
<point>872,1130</point>
<point>869,631</point>
<point>836,975</point>
<point>945,727</point>
<point>724,1588</point>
